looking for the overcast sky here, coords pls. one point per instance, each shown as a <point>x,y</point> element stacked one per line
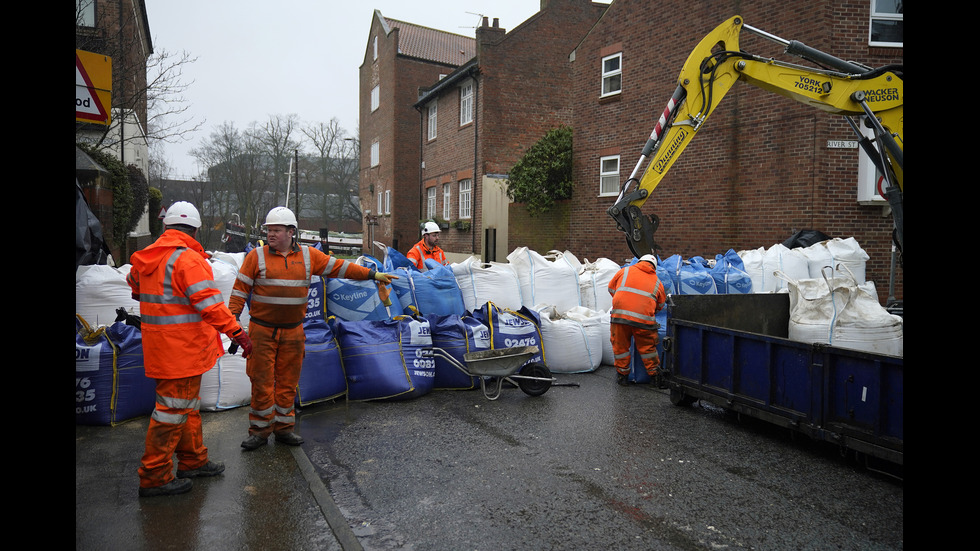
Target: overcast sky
<point>257,58</point>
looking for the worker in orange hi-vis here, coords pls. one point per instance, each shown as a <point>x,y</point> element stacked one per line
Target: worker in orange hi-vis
<point>275,279</point>
<point>637,296</point>
<point>182,314</point>
<point>427,248</point>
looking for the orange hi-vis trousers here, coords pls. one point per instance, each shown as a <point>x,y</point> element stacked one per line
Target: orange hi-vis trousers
<point>646,340</point>
<point>274,368</point>
<point>175,427</point>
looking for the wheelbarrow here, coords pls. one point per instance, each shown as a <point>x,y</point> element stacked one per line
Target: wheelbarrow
<point>493,367</point>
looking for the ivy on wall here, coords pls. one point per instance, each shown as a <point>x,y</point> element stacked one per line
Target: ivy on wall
<point>544,174</point>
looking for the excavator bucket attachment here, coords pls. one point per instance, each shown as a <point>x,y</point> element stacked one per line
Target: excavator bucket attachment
<point>639,235</point>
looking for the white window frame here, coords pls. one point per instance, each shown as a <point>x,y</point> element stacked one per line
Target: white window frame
<point>611,75</point>
<point>387,201</point>
<point>375,98</point>
<point>447,201</point>
<point>891,16</point>
<point>430,202</point>
<point>374,47</point>
<point>375,153</point>
<point>608,178</point>
<point>380,203</point>
<point>433,119</point>
<point>868,175</point>
<point>466,103</point>
<point>465,198</point>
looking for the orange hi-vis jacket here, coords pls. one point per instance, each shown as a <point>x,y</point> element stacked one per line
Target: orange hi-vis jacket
<point>277,285</point>
<point>181,308</point>
<point>419,253</point>
<point>637,296</point>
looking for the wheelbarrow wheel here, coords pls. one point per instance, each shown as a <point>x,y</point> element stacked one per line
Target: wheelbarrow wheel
<point>535,387</point>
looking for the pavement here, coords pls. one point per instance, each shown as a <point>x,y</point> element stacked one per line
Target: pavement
<point>272,497</point>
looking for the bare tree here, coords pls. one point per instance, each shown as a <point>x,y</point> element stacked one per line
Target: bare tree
<point>277,139</point>
<point>238,175</point>
<point>334,171</point>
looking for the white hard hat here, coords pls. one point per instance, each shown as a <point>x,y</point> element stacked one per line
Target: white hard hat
<point>649,258</point>
<point>184,213</point>
<point>430,227</point>
<point>280,216</point>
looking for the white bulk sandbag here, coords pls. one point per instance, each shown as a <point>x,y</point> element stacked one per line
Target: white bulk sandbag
<point>234,259</point>
<point>780,258</point>
<point>839,312</point>
<point>225,275</point>
<point>100,290</point>
<point>836,253</point>
<point>752,261</point>
<point>594,284</point>
<point>573,346</point>
<point>551,280</point>
<point>598,322</point>
<point>226,385</point>
<point>494,282</point>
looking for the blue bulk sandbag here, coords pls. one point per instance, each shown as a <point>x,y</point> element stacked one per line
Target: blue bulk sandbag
<point>358,300</point>
<point>730,275</point>
<point>395,260</point>
<point>322,377</point>
<point>638,373</point>
<point>689,278</point>
<point>510,328</point>
<point>457,335</point>
<point>435,291</point>
<point>316,304</point>
<point>384,359</point>
<point>110,382</point>
<point>401,289</point>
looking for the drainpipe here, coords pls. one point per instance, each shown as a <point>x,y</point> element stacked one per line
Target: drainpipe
<point>476,150</point>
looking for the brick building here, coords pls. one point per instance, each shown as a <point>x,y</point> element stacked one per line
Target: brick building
<point>478,122</point>
<point>400,58</point>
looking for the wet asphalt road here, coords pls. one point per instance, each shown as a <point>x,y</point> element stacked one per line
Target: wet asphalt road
<point>593,466</point>
<point>587,466</point>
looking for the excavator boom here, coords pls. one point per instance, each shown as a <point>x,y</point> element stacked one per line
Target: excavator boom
<point>839,87</point>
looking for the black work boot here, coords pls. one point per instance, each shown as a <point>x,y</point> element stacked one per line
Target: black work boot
<point>254,442</point>
<point>622,380</point>
<point>211,468</point>
<point>172,488</point>
<point>289,438</point>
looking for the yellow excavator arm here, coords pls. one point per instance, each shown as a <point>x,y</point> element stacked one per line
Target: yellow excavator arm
<point>715,65</point>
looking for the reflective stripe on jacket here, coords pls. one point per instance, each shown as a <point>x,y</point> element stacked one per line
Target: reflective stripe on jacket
<point>419,253</point>
<point>182,310</point>
<point>637,296</point>
<point>278,285</point>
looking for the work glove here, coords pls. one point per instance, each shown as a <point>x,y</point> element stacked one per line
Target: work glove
<point>384,278</point>
<point>241,339</point>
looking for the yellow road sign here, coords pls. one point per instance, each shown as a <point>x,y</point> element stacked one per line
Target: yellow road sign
<point>93,87</point>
